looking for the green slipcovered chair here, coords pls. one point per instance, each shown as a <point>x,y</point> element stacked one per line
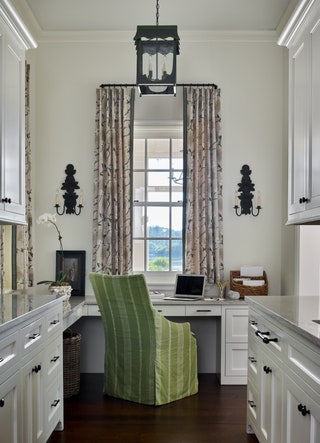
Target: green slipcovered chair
<point>148,359</point>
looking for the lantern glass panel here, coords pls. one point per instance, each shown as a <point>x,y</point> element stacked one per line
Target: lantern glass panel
<point>157,60</point>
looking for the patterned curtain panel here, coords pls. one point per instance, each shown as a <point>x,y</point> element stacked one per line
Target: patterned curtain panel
<point>112,181</point>
<point>203,184</point>
<point>24,244</point>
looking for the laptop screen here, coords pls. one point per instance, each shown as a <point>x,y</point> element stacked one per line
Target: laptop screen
<point>188,285</point>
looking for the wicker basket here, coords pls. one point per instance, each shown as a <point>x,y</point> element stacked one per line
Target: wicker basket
<point>248,290</point>
<point>71,363</point>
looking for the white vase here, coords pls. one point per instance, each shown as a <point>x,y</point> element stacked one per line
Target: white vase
<point>62,290</point>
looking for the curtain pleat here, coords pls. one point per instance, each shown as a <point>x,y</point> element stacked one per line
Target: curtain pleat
<point>112,181</point>
<point>203,241</point>
<point>24,245</point>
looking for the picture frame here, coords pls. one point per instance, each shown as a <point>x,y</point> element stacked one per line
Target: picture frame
<point>72,264</point>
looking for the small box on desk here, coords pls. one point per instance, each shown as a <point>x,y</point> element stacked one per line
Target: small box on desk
<point>259,284</point>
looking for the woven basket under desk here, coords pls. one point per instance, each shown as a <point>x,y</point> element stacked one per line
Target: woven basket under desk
<point>248,290</point>
<point>71,363</point>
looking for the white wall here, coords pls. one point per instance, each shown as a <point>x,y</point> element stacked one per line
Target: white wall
<point>309,260</point>
<point>251,77</point>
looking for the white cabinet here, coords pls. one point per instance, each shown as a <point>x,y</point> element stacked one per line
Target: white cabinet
<point>283,397</point>
<point>265,381</point>
<point>14,41</point>
<point>302,413</point>
<point>31,378</point>
<point>234,345</point>
<point>10,411</point>
<point>12,205</point>
<point>303,40</point>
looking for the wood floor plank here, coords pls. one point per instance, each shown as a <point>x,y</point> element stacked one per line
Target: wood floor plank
<point>216,414</point>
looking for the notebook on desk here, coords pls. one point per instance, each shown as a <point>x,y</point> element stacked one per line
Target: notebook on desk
<point>188,287</point>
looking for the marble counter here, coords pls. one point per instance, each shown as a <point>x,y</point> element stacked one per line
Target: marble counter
<point>296,313</point>
<point>15,306</point>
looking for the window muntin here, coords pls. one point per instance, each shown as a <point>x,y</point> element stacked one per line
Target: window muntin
<point>157,204</point>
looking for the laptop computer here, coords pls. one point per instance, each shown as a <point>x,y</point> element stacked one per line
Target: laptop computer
<point>188,287</point>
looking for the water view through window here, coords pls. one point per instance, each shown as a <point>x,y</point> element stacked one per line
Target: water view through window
<point>157,204</point>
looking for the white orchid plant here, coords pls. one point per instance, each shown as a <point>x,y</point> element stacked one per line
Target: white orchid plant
<point>50,220</point>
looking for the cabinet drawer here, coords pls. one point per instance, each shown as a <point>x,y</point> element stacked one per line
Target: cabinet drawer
<point>252,406</point>
<point>54,406</point>
<point>267,334</point>
<point>236,359</point>
<point>236,325</point>
<point>32,337</point>
<point>211,311</point>
<point>9,353</point>
<point>171,311</point>
<point>53,359</point>
<point>305,362</point>
<point>53,321</point>
<point>93,310</point>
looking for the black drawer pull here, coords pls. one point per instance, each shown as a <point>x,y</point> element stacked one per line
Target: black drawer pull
<point>252,359</point>
<point>1,360</point>
<point>55,403</point>
<point>203,310</point>
<point>36,369</point>
<point>252,404</point>
<point>54,322</point>
<point>6,200</point>
<point>1,403</point>
<point>34,336</point>
<point>253,323</point>
<point>267,369</point>
<point>55,358</point>
<point>303,409</point>
<point>263,337</point>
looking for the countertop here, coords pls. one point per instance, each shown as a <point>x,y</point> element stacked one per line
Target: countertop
<point>15,306</point>
<point>296,313</point>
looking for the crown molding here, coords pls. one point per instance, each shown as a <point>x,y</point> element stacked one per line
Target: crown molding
<point>298,16</point>
<point>127,36</point>
<point>13,20</point>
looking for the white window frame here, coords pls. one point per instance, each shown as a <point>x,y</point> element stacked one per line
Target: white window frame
<point>158,280</point>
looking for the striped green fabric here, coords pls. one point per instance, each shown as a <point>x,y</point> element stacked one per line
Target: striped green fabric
<point>148,359</point>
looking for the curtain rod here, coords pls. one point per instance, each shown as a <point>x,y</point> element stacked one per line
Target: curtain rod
<point>103,85</point>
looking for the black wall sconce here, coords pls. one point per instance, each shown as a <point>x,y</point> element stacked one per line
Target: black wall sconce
<point>70,197</point>
<point>244,196</point>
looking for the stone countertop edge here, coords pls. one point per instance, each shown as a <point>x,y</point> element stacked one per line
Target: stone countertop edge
<point>307,329</point>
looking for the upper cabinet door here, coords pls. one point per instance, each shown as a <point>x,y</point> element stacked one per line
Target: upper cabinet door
<point>15,40</point>
<point>302,37</point>
<point>13,132</point>
<point>298,135</point>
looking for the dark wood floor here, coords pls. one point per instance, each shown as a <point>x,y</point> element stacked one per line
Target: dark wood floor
<point>216,414</point>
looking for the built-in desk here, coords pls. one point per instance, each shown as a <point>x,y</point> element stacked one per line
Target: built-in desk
<point>228,339</point>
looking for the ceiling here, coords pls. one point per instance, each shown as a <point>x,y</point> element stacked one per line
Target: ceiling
<point>125,15</point>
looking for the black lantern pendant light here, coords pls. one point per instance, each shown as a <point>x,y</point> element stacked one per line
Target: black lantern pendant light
<point>157,50</point>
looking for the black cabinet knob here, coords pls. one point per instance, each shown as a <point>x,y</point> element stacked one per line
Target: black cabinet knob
<point>6,200</point>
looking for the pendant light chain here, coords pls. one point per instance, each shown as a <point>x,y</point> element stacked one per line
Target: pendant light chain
<point>157,14</point>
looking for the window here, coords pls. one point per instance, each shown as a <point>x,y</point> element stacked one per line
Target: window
<point>157,204</point>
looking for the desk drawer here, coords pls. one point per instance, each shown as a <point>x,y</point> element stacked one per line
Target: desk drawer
<point>93,310</point>
<point>171,311</point>
<point>203,311</point>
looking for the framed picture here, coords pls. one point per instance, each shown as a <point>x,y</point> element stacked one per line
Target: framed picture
<point>72,264</point>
